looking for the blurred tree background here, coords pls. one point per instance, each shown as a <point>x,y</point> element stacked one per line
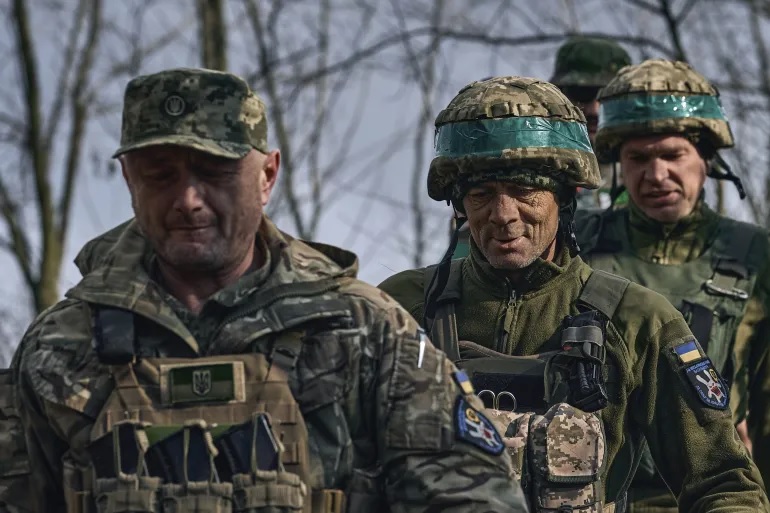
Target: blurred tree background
<point>352,88</point>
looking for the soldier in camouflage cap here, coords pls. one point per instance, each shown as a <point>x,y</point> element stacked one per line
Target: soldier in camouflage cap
<point>576,366</point>
<point>583,66</point>
<point>663,121</point>
<point>209,362</point>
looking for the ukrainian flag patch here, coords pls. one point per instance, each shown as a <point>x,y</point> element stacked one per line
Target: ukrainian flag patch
<point>688,352</point>
<point>463,381</point>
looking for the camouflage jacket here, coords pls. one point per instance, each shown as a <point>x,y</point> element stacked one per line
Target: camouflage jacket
<point>366,402</point>
<point>656,254</point>
<point>646,381</point>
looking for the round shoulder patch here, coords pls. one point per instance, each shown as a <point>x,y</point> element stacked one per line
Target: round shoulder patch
<point>471,426</point>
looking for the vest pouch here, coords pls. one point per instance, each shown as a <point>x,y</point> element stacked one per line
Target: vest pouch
<point>127,494</point>
<point>566,449</point>
<point>514,427</point>
<point>197,497</point>
<point>77,483</point>
<point>268,491</point>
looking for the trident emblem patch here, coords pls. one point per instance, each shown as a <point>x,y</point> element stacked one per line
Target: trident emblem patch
<point>201,382</point>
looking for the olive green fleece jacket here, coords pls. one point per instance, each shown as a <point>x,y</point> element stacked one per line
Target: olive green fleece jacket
<point>674,244</point>
<point>696,449</point>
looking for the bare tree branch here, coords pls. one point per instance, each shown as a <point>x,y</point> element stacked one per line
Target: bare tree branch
<point>63,84</point>
<point>80,104</point>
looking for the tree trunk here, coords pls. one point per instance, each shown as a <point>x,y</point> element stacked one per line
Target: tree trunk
<point>213,39</point>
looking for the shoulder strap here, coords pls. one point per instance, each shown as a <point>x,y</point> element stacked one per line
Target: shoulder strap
<point>731,259</point>
<point>442,328</point>
<point>114,337</point>
<point>603,292</point>
<point>597,233</point>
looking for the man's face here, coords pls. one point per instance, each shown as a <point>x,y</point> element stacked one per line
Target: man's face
<point>664,175</point>
<point>512,225</point>
<point>199,212</point>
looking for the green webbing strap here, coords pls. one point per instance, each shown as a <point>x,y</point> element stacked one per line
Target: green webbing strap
<point>643,108</point>
<point>491,137</point>
<point>730,264</point>
<point>603,292</point>
<point>286,350</point>
<point>443,329</point>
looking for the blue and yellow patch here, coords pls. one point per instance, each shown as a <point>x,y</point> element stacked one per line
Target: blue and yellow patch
<point>688,352</point>
<point>473,427</point>
<point>463,381</point>
<point>708,384</point>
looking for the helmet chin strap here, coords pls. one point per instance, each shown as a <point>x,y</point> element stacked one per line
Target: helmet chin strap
<point>567,225</point>
<point>720,170</point>
<point>441,276</point>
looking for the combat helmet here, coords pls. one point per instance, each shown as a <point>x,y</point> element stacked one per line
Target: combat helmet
<point>588,62</point>
<point>660,97</point>
<point>665,97</point>
<point>514,129</point>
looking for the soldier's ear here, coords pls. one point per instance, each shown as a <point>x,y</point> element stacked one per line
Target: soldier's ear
<point>126,175</point>
<point>270,168</point>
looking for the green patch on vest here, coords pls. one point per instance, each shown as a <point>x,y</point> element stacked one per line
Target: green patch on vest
<point>215,382</point>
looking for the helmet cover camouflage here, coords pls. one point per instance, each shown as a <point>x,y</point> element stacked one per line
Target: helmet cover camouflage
<point>659,97</point>
<point>512,129</point>
<point>206,110</point>
<point>588,62</point>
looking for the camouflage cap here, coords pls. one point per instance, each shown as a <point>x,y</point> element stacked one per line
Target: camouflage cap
<point>203,109</point>
<point>659,97</point>
<point>588,62</point>
<point>513,129</point>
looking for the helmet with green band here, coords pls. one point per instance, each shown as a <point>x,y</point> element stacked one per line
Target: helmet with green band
<point>514,129</point>
<point>660,97</point>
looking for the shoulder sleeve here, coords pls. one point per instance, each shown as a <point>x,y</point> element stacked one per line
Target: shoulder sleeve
<point>42,363</point>
<point>14,458</point>
<point>407,288</point>
<point>683,411</point>
<point>437,449</point>
<point>752,350</point>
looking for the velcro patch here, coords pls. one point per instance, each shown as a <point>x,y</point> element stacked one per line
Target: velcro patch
<point>202,382</point>
<point>708,384</point>
<point>473,427</point>
<point>688,352</point>
<point>463,381</point>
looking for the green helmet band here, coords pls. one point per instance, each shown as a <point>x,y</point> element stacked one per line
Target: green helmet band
<point>492,137</point>
<point>639,109</point>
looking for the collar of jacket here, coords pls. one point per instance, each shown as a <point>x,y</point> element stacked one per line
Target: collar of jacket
<point>116,274</point>
<point>531,278</point>
<point>676,242</point>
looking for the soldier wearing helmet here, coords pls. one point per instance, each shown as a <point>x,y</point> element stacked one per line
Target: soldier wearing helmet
<point>663,122</point>
<point>583,66</point>
<point>210,363</point>
<point>577,367</point>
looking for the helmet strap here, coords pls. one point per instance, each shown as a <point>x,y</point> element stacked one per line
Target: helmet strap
<point>720,170</point>
<point>567,225</point>
<point>441,276</point>
<point>615,189</point>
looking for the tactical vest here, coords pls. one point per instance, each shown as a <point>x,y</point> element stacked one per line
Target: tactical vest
<point>214,434</point>
<point>538,402</point>
<point>710,291</point>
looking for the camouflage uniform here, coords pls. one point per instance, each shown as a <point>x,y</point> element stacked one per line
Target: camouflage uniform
<point>480,315</point>
<point>365,411</point>
<point>584,65</point>
<point>713,268</point>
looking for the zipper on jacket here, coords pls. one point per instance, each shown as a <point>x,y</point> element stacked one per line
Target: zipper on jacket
<point>507,318</point>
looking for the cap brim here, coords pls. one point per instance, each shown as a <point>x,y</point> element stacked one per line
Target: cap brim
<point>225,149</point>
